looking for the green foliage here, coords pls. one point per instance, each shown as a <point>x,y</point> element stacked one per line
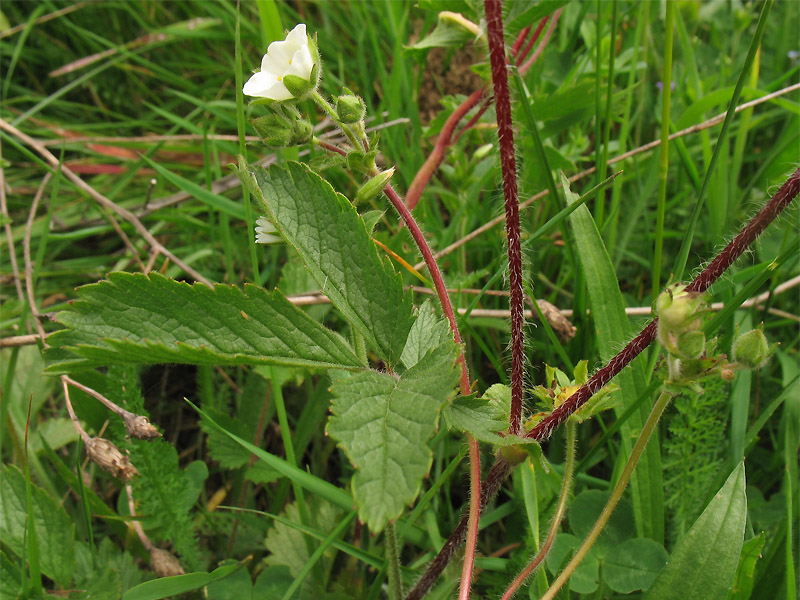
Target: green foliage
<point>704,562</point>
<point>133,318</point>
<point>54,528</point>
<point>335,245</point>
<point>621,561</point>
<point>383,424</point>
<point>693,453</point>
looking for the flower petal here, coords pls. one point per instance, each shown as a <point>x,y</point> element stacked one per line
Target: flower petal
<point>302,63</point>
<point>265,85</point>
<point>298,36</point>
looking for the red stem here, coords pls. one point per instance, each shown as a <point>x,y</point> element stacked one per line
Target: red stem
<point>500,470</point>
<point>508,164</point>
<point>542,46</point>
<point>521,56</point>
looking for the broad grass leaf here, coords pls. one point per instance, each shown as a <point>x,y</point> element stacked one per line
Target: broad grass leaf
<point>168,587</point>
<point>335,244</point>
<point>703,564</point>
<point>54,528</point>
<point>383,424</point>
<point>743,582</point>
<point>613,329</point>
<point>135,318</point>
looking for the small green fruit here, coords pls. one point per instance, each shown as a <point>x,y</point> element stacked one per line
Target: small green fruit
<point>751,349</point>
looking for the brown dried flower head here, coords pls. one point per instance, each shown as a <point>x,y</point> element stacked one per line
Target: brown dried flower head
<point>139,427</point>
<point>164,564</point>
<point>107,456</point>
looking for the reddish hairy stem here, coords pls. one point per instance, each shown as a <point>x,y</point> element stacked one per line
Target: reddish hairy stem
<point>542,46</point>
<point>436,275</point>
<point>521,56</point>
<point>500,470</point>
<point>437,155</point>
<point>446,138</point>
<point>508,164</point>
<point>473,519</point>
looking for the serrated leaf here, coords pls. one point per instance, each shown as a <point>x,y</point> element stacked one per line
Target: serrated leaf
<point>333,241</point>
<point>383,423</point>
<point>703,564</point>
<point>135,318</point>
<point>484,417</point>
<point>54,529</point>
<point>427,332</point>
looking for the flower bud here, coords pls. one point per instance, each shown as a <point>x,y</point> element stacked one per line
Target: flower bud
<point>514,454</point>
<point>280,131</point>
<point>751,349</point>
<point>164,564</point>
<point>350,108</point>
<point>108,457</point>
<point>679,321</point>
<point>374,186</point>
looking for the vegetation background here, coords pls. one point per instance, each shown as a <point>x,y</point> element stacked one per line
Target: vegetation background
<point>139,100</point>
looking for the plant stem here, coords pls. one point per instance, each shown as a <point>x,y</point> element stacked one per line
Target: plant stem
<point>616,494</point>
<point>393,558</point>
<point>473,519</point>
<point>566,485</point>
<point>502,101</point>
<point>711,273</point>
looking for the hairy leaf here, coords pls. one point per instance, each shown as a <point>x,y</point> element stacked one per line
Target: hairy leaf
<point>334,243</point>
<point>54,528</point>
<point>383,424</point>
<point>135,318</point>
<point>427,332</point>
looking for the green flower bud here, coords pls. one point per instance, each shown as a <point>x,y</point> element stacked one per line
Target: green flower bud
<point>679,314</point>
<point>691,345</point>
<point>350,108</point>
<point>514,454</point>
<point>751,349</point>
<point>374,186</point>
<point>280,131</point>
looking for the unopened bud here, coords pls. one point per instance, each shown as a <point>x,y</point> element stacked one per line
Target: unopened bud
<point>281,131</point>
<point>139,426</point>
<point>751,349</point>
<point>108,457</point>
<point>514,454</point>
<point>679,321</point>
<point>374,186</point>
<point>164,564</point>
<point>350,108</point>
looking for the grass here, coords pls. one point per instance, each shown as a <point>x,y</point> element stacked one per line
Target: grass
<point>96,82</point>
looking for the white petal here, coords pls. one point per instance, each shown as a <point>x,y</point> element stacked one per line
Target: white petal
<point>302,63</point>
<point>266,238</point>
<point>265,85</point>
<point>298,36</point>
<point>265,225</point>
<point>278,57</point>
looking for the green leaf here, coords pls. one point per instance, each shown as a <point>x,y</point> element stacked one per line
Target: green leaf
<point>703,565</point>
<point>54,529</point>
<point>446,34</point>
<point>586,576</point>
<point>484,417</point>
<point>584,511</point>
<point>167,587</point>
<point>273,582</point>
<point>427,332</point>
<point>135,318</point>
<point>613,329</point>
<point>333,241</point>
<point>633,565</point>
<point>743,581</point>
<point>383,423</point>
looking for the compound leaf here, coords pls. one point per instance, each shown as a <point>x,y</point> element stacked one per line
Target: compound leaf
<point>135,318</point>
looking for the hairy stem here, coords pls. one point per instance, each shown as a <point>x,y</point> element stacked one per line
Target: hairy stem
<point>508,164</point>
<point>473,519</point>
<point>616,494</point>
<point>566,485</point>
<point>393,558</point>
<point>710,274</point>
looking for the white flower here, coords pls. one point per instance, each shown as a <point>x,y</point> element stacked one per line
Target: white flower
<point>264,232</point>
<point>292,57</point>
